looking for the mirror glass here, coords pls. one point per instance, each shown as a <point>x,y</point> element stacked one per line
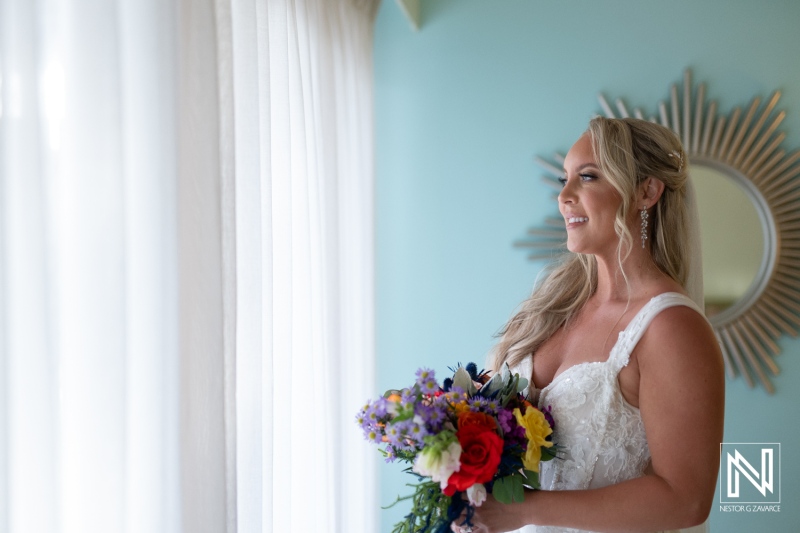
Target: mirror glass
<point>732,238</point>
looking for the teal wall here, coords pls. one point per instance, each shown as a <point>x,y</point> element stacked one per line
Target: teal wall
<point>462,108</point>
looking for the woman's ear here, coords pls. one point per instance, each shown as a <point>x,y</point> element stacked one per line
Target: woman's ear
<point>650,190</point>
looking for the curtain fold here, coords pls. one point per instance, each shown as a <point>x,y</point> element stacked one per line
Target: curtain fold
<point>88,354</point>
<point>302,114</point>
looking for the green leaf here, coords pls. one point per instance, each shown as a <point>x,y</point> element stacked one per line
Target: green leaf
<point>517,490</point>
<point>531,479</point>
<point>550,453</point>
<point>428,509</point>
<point>502,490</point>
<point>493,385</point>
<point>509,489</point>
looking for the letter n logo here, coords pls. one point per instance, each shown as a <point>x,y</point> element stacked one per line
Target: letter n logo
<point>748,471</point>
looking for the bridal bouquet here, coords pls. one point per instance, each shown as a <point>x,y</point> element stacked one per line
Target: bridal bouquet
<point>468,437</point>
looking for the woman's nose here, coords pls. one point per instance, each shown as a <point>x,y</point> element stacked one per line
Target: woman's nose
<point>567,194</point>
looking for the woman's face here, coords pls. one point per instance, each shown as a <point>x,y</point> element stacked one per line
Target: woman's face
<point>588,202</point>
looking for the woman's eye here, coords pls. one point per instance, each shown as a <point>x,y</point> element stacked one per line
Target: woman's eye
<point>583,177</point>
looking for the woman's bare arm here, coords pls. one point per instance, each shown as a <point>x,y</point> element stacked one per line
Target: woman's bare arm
<point>681,399</point>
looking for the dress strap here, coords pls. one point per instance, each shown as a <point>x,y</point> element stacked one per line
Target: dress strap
<point>630,336</point>
<point>525,370</point>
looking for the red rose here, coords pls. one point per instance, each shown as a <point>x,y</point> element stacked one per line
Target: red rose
<point>481,448</point>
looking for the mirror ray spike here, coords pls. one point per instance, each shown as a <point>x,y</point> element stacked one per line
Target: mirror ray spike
<point>761,316</point>
<point>733,149</point>
<point>712,108</point>
<point>779,178</point>
<point>623,111</point>
<point>751,358</point>
<point>726,139</point>
<point>757,148</point>
<point>737,357</point>
<point>662,113</point>
<point>606,108</point>
<point>687,106</point>
<point>676,113</point>
<point>778,315</point>
<point>719,128</point>
<point>758,131</point>
<point>769,171</point>
<point>698,117</point>
<point>764,338</point>
<point>748,165</point>
<point>747,331</point>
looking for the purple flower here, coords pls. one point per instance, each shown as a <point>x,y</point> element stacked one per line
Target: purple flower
<point>403,436</point>
<point>548,415</point>
<point>429,387</point>
<point>506,419</point>
<point>375,413</point>
<point>456,395</point>
<point>492,406</point>
<point>379,406</point>
<point>518,434</point>
<point>369,419</point>
<point>408,397</point>
<point>426,380</point>
<point>373,436</point>
<point>432,416</point>
<point>477,404</point>
<point>394,432</point>
<point>361,418</point>
<point>513,433</point>
<point>440,401</point>
<point>391,454</point>
<point>417,432</point>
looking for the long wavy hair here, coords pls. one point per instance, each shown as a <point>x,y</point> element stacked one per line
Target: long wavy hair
<point>627,152</point>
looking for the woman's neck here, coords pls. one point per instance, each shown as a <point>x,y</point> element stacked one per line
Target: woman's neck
<point>642,277</point>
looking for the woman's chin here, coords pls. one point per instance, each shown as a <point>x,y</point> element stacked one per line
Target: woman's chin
<point>576,248</point>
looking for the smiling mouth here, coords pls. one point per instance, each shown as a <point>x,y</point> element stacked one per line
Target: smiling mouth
<point>576,220</point>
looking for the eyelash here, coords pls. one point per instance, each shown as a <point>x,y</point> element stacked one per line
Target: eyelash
<point>585,177</point>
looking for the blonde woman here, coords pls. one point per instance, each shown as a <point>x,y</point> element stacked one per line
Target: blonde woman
<point>614,343</point>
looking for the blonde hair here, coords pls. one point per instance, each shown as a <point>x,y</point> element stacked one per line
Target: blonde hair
<point>627,152</point>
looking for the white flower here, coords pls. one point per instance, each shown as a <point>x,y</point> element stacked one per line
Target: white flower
<point>439,462</point>
<point>476,494</point>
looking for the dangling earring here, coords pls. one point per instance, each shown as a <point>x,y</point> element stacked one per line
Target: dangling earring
<point>644,215</point>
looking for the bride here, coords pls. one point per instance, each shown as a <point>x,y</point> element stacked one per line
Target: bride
<point>614,344</point>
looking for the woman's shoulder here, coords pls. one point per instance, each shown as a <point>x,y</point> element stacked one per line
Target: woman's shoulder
<point>679,331</point>
<point>680,315</point>
<point>669,304</point>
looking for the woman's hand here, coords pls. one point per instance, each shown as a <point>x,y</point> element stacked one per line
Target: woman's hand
<point>495,517</point>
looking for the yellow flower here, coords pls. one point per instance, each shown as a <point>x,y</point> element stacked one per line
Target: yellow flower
<point>461,407</point>
<point>536,429</point>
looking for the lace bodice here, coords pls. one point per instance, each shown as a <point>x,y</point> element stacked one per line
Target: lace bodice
<point>601,436</point>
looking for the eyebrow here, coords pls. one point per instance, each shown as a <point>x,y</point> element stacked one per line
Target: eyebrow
<point>582,167</point>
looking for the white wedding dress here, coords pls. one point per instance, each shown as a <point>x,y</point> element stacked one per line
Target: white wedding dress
<point>601,436</point>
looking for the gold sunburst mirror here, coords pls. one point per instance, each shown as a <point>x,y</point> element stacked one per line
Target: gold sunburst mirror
<point>749,201</point>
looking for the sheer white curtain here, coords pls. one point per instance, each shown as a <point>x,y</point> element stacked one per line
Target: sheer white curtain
<point>298,114</point>
<point>186,301</point>
<point>88,325</point>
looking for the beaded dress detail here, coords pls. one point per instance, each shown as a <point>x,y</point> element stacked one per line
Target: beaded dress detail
<point>600,435</point>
